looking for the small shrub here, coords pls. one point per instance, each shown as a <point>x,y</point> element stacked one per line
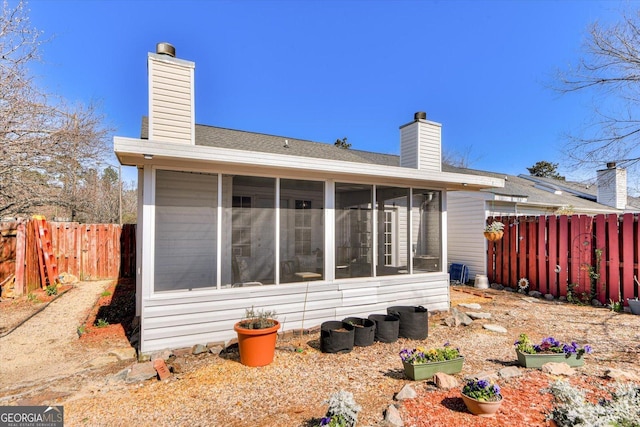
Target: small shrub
<point>105,294</point>
<point>343,410</point>
<point>571,408</point>
<point>81,330</point>
<point>101,323</point>
<point>51,290</point>
<point>31,297</point>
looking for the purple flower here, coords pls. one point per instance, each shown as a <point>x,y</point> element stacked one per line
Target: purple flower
<point>325,421</point>
<point>587,349</point>
<point>496,389</point>
<point>483,383</point>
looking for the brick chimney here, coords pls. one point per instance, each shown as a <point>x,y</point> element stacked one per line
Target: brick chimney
<point>612,186</point>
<point>171,96</point>
<point>420,144</point>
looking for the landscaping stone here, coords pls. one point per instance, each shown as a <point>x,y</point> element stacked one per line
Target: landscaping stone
<point>509,289</point>
<point>495,328</point>
<point>407,392</point>
<point>483,375</point>
<point>141,372</point>
<point>199,349</point>
<point>472,306</point>
<point>123,353</point>
<point>392,417</point>
<point>215,349</point>
<point>445,381</point>
<point>120,376</point>
<point>596,303</point>
<point>535,294</point>
<point>478,315</point>
<point>164,355</point>
<point>510,372</point>
<point>553,368</point>
<point>497,286</point>
<point>458,318</point>
<point>619,374</point>
<point>548,297</point>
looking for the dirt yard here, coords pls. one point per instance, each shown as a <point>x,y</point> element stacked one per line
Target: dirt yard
<point>215,389</point>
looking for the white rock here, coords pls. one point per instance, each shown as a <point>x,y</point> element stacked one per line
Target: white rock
<point>472,306</point>
<point>495,328</point>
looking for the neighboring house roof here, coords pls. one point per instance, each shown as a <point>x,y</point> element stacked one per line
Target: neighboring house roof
<point>524,189</point>
<point>586,190</point>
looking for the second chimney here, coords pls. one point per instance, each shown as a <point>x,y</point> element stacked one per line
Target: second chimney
<point>612,186</point>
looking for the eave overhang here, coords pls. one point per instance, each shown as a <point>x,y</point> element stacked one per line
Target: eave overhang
<point>140,152</point>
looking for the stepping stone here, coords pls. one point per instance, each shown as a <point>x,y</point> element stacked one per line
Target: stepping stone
<point>495,328</point>
<point>472,306</point>
<point>478,315</point>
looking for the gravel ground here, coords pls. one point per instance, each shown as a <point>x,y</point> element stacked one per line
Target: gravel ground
<point>216,390</point>
<point>46,345</point>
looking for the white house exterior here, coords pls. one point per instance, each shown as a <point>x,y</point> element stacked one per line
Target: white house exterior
<point>231,219</point>
<point>526,195</point>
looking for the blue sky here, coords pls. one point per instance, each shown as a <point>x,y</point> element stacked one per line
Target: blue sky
<point>322,70</point>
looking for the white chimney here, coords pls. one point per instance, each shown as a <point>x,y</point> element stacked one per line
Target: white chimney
<point>171,96</point>
<point>612,186</point>
<point>420,144</point>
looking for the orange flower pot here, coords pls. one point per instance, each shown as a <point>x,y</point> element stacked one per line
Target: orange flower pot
<point>492,236</point>
<point>257,346</point>
<point>481,408</point>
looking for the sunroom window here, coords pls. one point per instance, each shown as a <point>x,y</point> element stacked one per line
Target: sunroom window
<point>353,215</point>
<point>301,230</point>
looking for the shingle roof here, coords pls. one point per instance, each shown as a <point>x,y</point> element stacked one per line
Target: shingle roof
<point>213,136</point>
<point>515,186</point>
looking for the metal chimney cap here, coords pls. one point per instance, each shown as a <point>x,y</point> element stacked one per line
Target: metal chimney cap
<point>420,115</point>
<point>164,48</point>
<point>611,165</point>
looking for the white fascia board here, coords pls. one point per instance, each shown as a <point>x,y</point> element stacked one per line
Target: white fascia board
<point>130,152</point>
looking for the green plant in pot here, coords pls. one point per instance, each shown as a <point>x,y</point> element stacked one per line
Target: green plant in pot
<point>532,355</point>
<point>494,231</point>
<point>257,333</point>
<point>420,363</point>
<point>481,397</point>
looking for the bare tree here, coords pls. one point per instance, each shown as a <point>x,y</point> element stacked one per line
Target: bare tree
<point>609,69</point>
<point>459,159</point>
<point>46,144</point>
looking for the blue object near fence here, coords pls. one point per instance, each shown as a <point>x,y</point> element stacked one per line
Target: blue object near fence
<point>458,273</point>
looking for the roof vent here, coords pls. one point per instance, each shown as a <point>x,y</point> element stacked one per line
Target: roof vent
<point>420,115</point>
<point>166,49</point>
<point>611,165</point>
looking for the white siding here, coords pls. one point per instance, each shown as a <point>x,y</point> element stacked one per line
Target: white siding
<point>409,146</point>
<point>181,320</point>
<point>430,136</point>
<point>465,226</point>
<point>171,103</point>
<point>186,219</point>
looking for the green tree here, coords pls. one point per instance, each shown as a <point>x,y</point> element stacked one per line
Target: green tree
<point>342,143</point>
<point>545,169</point>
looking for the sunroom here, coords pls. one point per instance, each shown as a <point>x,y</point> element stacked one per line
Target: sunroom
<point>230,219</point>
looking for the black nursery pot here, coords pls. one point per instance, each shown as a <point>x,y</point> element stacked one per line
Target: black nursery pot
<point>414,321</point>
<point>365,330</point>
<point>336,337</point>
<point>387,327</point>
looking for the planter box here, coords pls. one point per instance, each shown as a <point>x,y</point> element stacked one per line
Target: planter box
<point>428,370</point>
<point>634,305</point>
<point>537,360</point>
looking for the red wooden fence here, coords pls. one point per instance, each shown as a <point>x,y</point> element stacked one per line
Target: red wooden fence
<point>586,254</point>
<point>88,251</point>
